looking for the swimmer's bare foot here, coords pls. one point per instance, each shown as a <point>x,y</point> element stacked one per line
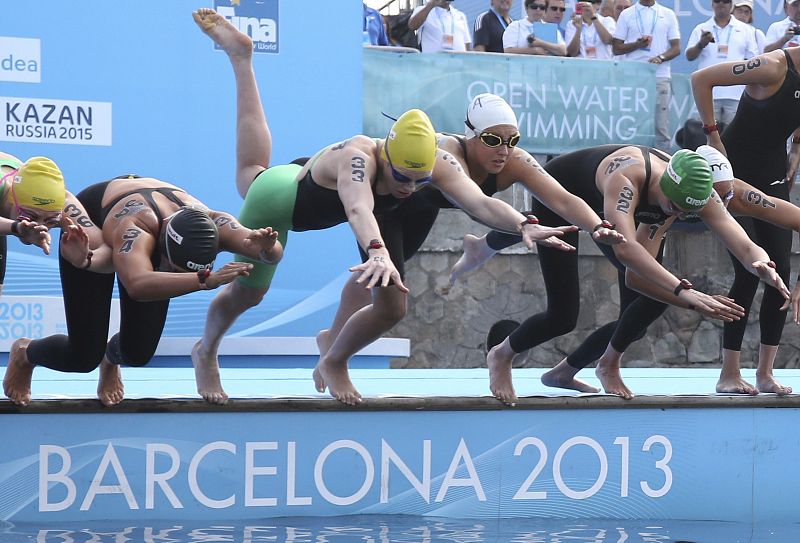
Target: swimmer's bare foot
<point>768,384</point>
<point>612,382</point>
<point>500,382</point>
<point>236,44</point>
<point>323,343</point>
<point>735,385</point>
<point>563,376</point>
<point>206,374</point>
<point>476,252</point>
<point>110,389</point>
<point>19,373</point>
<point>337,380</point>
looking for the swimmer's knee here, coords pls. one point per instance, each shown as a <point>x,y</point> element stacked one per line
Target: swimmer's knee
<point>392,310</point>
<point>246,296</point>
<point>115,354</point>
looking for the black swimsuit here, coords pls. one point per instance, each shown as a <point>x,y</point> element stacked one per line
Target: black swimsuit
<point>87,305</point>
<point>318,208</point>
<point>405,228</point>
<point>755,142</point>
<point>577,172</point>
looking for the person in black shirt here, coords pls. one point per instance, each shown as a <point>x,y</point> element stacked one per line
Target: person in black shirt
<point>490,25</point>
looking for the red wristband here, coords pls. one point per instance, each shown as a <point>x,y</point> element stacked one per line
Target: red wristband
<point>709,128</point>
<point>604,224</point>
<point>683,285</point>
<point>375,244</point>
<point>202,275</point>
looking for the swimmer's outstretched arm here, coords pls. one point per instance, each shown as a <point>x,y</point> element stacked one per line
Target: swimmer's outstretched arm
<point>717,307</point>
<point>260,244</point>
<point>451,179</point>
<point>545,188</point>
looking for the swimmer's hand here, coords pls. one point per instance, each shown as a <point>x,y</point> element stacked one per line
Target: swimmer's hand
<point>378,271</point>
<point>547,236</point>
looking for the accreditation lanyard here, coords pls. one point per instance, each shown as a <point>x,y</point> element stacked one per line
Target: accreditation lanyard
<point>640,21</point>
<point>722,46</point>
<point>503,22</point>
<point>588,29</point>
<point>447,39</point>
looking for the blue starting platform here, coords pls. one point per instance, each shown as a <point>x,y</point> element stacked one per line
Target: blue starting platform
<point>423,442</point>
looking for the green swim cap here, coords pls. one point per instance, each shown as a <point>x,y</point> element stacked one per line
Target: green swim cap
<point>687,180</point>
<point>412,142</point>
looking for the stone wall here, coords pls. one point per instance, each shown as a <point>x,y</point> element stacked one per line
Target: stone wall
<point>449,330</point>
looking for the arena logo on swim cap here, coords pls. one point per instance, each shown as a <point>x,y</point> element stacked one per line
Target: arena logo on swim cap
<point>256,18</point>
<point>695,202</point>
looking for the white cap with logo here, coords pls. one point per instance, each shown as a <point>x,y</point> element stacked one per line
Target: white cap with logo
<point>721,169</point>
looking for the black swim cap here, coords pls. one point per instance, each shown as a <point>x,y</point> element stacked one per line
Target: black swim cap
<point>191,240</point>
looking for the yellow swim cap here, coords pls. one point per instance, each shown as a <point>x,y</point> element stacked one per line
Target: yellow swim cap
<point>39,184</point>
<point>412,142</point>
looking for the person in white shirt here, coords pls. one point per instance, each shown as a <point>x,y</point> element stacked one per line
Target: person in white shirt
<point>589,35</point>
<point>521,35</point>
<point>440,27</point>
<point>648,32</point>
<point>743,11</point>
<point>784,33</point>
<point>720,39</point>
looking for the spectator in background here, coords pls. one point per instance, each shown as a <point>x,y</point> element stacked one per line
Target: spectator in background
<point>555,14</point>
<point>589,35</point>
<point>490,25</point>
<point>648,32</point>
<point>374,27</point>
<point>784,33</point>
<point>607,9</point>
<point>526,36</point>
<point>440,27</point>
<point>743,11</point>
<point>619,7</point>
<point>720,39</point>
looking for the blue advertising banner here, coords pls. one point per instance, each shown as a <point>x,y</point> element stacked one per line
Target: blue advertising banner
<point>690,464</point>
<point>110,88</point>
<point>561,104</point>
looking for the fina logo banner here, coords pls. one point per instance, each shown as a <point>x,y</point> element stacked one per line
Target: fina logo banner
<point>55,121</point>
<point>20,60</point>
<point>256,18</point>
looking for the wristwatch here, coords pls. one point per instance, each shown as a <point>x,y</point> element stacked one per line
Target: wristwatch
<point>661,58</point>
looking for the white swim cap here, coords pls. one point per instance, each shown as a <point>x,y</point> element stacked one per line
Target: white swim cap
<point>721,169</point>
<point>487,110</point>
